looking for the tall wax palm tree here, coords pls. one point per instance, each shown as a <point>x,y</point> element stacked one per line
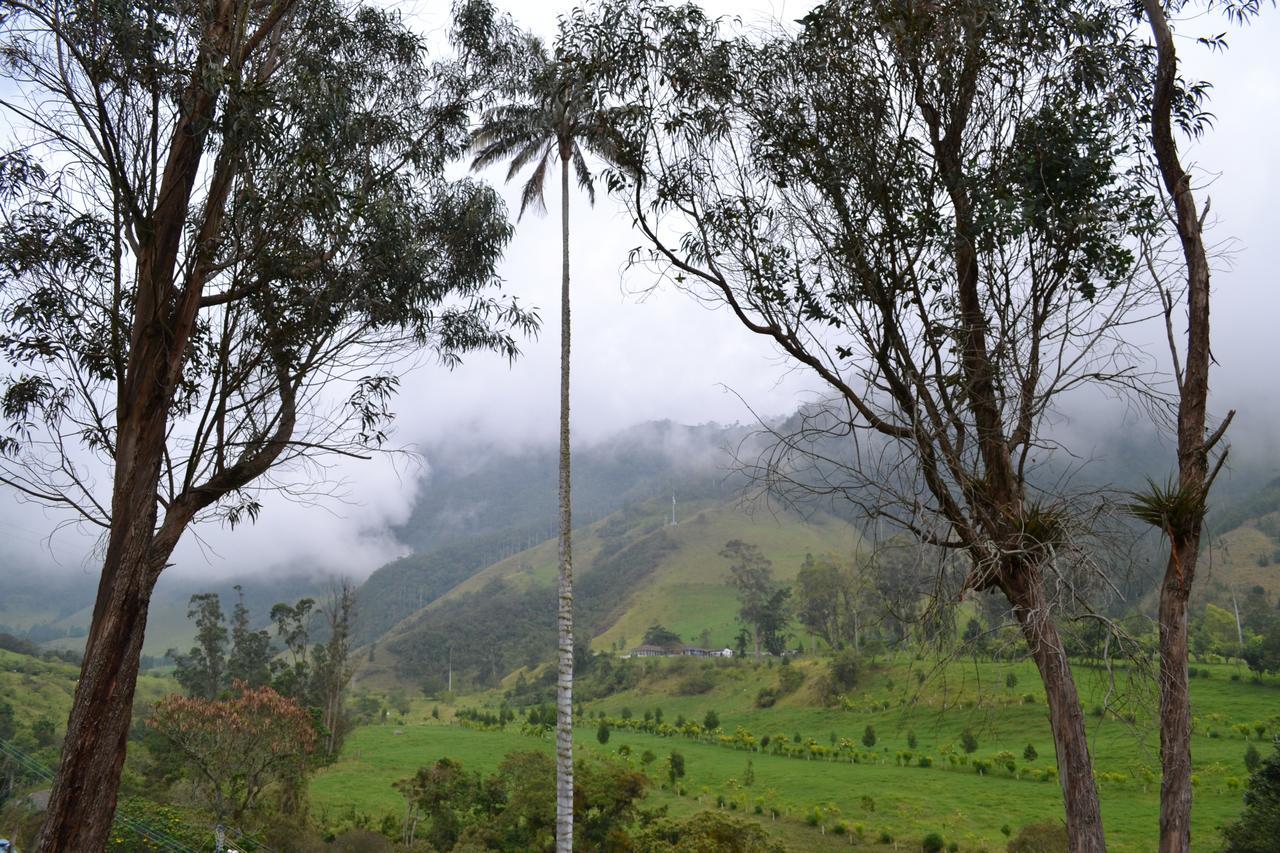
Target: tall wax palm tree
<point>556,120</point>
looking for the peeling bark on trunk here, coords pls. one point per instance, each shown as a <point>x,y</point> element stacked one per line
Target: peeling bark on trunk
<point>1066,719</point>
<point>564,617</point>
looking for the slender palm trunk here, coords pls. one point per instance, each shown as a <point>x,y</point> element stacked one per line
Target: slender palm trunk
<point>564,618</point>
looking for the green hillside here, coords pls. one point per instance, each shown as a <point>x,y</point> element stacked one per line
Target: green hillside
<point>37,688</point>
<point>633,569</point>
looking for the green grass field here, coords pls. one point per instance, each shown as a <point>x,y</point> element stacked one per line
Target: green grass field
<point>905,801</point>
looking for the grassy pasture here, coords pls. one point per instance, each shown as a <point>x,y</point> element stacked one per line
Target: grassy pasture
<point>905,801</point>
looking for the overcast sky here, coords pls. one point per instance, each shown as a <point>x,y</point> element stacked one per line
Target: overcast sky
<point>664,356</point>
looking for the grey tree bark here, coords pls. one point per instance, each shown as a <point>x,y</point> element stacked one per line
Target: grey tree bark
<point>564,616</point>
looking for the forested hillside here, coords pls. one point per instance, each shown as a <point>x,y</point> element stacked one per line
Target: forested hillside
<point>481,503</point>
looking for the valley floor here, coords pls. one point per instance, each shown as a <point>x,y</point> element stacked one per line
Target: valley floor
<point>886,794</point>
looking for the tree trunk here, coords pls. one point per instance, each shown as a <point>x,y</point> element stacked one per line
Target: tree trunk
<point>82,802</point>
<point>1175,704</point>
<point>564,617</point>
<point>1066,718</point>
<point>1193,456</point>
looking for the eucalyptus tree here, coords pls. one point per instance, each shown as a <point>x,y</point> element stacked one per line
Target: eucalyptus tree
<point>554,121</point>
<point>930,206</point>
<point>1178,509</point>
<point>223,227</point>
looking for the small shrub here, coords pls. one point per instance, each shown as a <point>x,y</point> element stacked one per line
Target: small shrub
<point>766,697</point>
<point>885,837</point>
<point>602,733</point>
<point>932,843</point>
<point>844,670</point>
<point>925,761</point>
<point>1011,681</point>
<point>968,741</point>
<point>1044,837</point>
<point>1235,676</point>
<point>1252,758</point>
<point>1006,830</point>
<point>711,721</point>
<point>1030,754</point>
<point>869,737</point>
<point>696,684</point>
<point>790,679</point>
<point>911,740</point>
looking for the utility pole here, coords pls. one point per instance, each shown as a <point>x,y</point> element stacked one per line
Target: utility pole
<point>673,509</point>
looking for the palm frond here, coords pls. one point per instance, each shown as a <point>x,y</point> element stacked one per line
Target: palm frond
<point>533,194</point>
<point>584,174</point>
<point>535,148</point>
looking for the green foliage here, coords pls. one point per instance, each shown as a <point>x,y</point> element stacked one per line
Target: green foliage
<point>1262,651</point>
<point>202,671</point>
<point>711,721</point>
<point>869,736</point>
<point>656,635</point>
<point>763,604</point>
<point>675,767</point>
<point>1030,754</point>
<point>932,843</point>
<point>790,679</point>
<point>1252,758</point>
<point>1043,837</point>
<point>828,596</point>
<point>704,832</point>
<point>510,810</point>
<point>912,742</point>
<point>8,726</point>
<point>44,732</point>
<point>1259,825</point>
<point>602,733</point>
<point>1172,509</point>
<point>968,740</point>
<point>1011,681</point>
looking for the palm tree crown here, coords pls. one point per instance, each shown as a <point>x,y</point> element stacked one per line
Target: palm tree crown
<point>560,118</point>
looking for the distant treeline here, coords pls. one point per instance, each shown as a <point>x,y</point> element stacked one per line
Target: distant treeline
<point>23,646</point>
